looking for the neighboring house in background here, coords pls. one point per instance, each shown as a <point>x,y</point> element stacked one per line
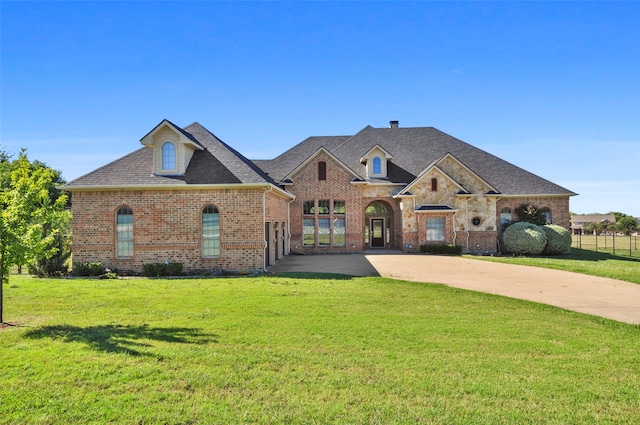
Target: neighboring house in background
<point>580,221</point>
<point>188,197</point>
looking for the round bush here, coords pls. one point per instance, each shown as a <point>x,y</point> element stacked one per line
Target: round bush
<point>558,240</point>
<point>524,239</point>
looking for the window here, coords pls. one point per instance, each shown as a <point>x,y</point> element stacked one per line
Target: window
<point>476,221</point>
<point>505,218</point>
<point>322,170</point>
<point>434,185</point>
<point>377,166</point>
<point>547,214</point>
<point>323,225</point>
<point>435,229</point>
<point>168,156</point>
<point>124,233</point>
<point>210,232</point>
<point>323,206</point>
<point>308,207</point>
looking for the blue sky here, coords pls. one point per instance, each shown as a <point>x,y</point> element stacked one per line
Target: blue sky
<point>553,87</point>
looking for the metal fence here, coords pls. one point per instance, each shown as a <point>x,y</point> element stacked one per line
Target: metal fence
<point>628,246</point>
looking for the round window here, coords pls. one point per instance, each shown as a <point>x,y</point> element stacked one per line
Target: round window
<point>476,221</point>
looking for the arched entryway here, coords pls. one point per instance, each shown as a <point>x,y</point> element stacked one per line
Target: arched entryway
<point>378,226</point>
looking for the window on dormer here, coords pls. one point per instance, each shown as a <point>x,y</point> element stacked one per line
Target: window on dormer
<point>168,156</point>
<point>377,166</point>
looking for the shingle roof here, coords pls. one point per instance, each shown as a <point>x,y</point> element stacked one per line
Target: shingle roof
<point>218,163</point>
<point>413,149</point>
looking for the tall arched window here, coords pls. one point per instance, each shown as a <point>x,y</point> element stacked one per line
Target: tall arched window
<point>124,233</point>
<point>168,156</point>
<point>210,232</point>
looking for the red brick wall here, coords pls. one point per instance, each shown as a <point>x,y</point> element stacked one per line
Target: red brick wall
<point>337,186</point>
<point>559,207</point>
<point>167,227</point>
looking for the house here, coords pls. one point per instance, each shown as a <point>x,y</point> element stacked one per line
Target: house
<point>580,221</point>
<point>188,197</point>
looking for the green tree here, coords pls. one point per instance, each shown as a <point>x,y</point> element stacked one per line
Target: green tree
<point>626,224</point>
<point>28,215</point>
<point>531,214</point>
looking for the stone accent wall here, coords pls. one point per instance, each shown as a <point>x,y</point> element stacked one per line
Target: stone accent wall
<point>167,227</point>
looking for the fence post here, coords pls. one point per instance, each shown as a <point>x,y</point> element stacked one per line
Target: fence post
<point>614,244</point>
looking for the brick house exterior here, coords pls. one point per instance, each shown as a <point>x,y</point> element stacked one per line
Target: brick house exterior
<point>188,197</point>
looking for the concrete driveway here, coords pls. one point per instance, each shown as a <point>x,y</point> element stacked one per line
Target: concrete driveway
<point>609,298</point>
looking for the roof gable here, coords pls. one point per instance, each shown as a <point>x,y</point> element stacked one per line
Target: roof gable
<point>310,159</point>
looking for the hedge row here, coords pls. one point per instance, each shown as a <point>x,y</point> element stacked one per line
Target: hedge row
<point>440,249</point>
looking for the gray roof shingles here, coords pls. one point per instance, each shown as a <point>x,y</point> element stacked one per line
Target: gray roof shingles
<point>413,149</point>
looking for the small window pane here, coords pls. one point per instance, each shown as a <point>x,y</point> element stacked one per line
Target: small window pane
<point>338,207</point>
<point>324,236</point>
<point>323,206</point>
<point>308,232</point>
<point>339,232</point>
<point>308,207</point>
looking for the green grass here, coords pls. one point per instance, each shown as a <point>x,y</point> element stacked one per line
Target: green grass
<point>582,261</point>
<point>305,349</point>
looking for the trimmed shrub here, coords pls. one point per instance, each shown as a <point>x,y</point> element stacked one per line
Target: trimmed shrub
<point>524,239</point>
<point>558,240</point>
<point>87,269</point>
<point>161,269</point>
<point>439,249</point>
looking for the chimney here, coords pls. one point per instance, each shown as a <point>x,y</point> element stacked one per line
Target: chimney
<point>394,124</point>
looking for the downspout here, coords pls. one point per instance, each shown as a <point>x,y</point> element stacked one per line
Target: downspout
<point>455,234</point>
<point>264,232</point>
<point>498,226</point>
<point>466,224</point>
<point>288,247</point>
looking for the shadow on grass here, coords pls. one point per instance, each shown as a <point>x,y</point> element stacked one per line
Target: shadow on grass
<point>588,255</point>
<point>120,338</point>
<point>315,275</point>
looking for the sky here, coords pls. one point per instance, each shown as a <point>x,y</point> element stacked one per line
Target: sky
<point>552,87</point>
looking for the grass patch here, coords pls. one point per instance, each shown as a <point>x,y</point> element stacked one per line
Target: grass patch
<point>303,349</point>
<point>582,261</point>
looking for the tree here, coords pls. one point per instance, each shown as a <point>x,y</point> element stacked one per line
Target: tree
<point>28,214</point>
<point>531,214</point>
<point>626,224</point>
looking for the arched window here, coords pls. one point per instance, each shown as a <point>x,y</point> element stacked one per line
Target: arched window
<point>505,218</point>
<point>377,166</point>
<point>377,208</point>
<point>124,233</point>
<point>322,170</point>
<point>168,156</point>
<point>210,232</point>
<point>434,184</point>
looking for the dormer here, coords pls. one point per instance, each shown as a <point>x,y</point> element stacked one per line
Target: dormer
<point>376,162</point>
<point>172,148</point>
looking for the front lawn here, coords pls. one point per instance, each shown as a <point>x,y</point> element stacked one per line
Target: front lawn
<point>305,349</point>
<point>581,261</point>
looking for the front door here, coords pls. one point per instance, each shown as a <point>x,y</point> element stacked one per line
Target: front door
<point>377,232</point>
